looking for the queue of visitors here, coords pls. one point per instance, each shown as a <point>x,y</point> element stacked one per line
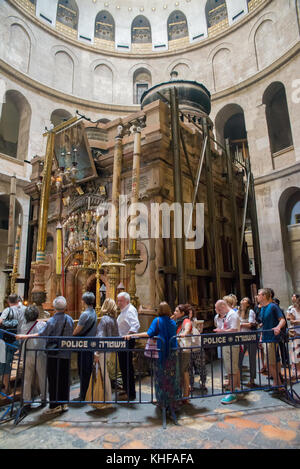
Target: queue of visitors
<point>177,357</point>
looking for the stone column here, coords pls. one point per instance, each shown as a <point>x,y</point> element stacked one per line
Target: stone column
<point>11,233</point>
<point>114,253</point>
<point>39,267</point>
<point>132,258</point>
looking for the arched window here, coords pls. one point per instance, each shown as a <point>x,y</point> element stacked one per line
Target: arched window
<point>295,212</point>
<point>105,26</point>
<point>216,15</point>
<point>15,125</point>
<point>141,31</point>
<point>141,82</point>
<point>68,13</point>
<point>177,26</point>
<point>277,116</point>
<point>230,124</point>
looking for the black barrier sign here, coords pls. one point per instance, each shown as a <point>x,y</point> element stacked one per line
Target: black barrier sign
<point>92,344</point>
<point>241,338</point>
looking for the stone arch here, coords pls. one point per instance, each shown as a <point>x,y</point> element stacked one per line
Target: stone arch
<point>177,26</point>
<point>63,71</point>
<point>183,70</point>
<point>277,116</point>
<point>103,79</point>
<point>265,34</point>
<point>15,125</point>
<point>59,115</point>
<point>290,237</point>
<point>105,26</point>
<point>19,47</point>
<point>221,68</point>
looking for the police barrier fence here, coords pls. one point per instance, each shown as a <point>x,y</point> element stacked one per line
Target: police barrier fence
<point>167,376</point>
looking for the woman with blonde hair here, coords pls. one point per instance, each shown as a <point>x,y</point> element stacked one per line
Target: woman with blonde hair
<point>232,301</point>
<point>100,385</point>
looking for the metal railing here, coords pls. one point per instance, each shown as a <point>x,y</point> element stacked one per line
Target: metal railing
<point>159,380</point>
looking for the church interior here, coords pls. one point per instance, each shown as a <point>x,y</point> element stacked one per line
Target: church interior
<point>159,104</point>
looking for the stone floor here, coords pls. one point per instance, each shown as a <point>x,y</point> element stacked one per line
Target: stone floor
<point>256,421</point>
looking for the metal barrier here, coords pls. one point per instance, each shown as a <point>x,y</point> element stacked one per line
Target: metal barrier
<point>9,371</point>
<point>153,378</point>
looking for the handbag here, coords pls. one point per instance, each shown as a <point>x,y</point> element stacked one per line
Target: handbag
<point>151,346</point>
<point>10,325</point>
<point>185,342</point>
<point>52,346</point>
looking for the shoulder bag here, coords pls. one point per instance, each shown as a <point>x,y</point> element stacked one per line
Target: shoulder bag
<point>10,324</point>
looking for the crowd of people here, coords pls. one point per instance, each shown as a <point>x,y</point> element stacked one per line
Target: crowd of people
<point>177,357</point>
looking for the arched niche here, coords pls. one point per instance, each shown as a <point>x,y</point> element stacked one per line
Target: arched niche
<point>223,74</point>
<point>15,125</point>
<point>265,34</point>
<point>183,71</point>
<point>142,81</point>
<point>59,115</point>
<point>105,26</point>
<point>19,47</point>
<point>103,83</point>
<point>177,26</point>
<point>63,72</point>
<point>277,116</point>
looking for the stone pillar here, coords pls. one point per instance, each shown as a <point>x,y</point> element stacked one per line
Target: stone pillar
<point>44,201</point>
<point>11,221</point>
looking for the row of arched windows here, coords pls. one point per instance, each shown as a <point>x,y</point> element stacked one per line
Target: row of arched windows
<point>16,116</point>
<point>177,26</point>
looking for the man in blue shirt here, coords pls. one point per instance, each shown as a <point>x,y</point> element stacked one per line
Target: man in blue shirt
<point>273,322</point>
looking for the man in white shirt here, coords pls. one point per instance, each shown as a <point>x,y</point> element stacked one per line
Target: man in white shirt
<point>128,323</point>
<point>227,321</point>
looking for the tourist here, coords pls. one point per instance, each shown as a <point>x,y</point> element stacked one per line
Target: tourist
<point>184,328</point>
<point>11,320</point>
<point>257,308</point>
<point>227,321</point>
<point>100,385</point>
<point>128,324</point>
<point>198,359</point>
<point>58,361</point>
<point>232,301</point>
<point>35,359</point>
<point>248,323</point>
<point>166,371</point>
<point>273,322</point>
<point>86,327</point>
<point>292,306</point>
<point>294,317</point>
